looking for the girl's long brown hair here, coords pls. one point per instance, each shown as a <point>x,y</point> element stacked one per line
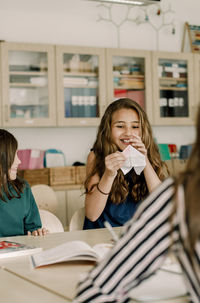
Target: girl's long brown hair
<point>8,148</point>
<point>104,146</point>
<point>190,179</point>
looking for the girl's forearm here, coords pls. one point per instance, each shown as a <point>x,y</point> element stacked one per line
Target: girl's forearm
<point>152,179</point>
<point>95,201</point>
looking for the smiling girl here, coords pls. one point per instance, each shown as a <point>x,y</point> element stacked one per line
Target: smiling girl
<point>111,196</point>
<point>19,214</point>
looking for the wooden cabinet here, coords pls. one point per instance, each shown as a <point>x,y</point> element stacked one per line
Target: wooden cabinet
<point>173,88</point>
<point>28,85</point>
<point>46,85</point>
<point>129,75</point>
<point>80,85</point>
<point>196,81</point>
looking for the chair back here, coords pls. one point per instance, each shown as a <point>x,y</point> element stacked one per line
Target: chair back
<point>45,197</point>
<point>77,220</point>
<point>50,221</point>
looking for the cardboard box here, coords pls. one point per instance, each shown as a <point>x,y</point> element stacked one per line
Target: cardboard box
<point>35,176</point>
<point>80,174</point>
<point>62,175</point>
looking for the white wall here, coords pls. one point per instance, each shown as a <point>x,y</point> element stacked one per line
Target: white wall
<point>74,22</point>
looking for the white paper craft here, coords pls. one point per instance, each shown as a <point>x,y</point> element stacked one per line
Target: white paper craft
<point>133,159</point>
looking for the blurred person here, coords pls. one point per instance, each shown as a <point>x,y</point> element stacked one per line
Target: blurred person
<point>19,214</point>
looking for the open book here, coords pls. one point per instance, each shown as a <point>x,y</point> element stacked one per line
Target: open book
<point>13,249</point>
<point>70,251</point>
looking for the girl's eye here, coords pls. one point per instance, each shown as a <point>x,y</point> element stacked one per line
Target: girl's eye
<point>119,126</point>
<point>135,126</point>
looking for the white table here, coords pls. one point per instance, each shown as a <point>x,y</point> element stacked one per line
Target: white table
<point>47,283</point>
<point>52,284</point>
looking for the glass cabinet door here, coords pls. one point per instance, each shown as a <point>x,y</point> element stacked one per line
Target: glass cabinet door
<point>28,85</point>
<point>129,76</point>
<point>173,83</point>
<point>80,82</point>
<point>196,82</point>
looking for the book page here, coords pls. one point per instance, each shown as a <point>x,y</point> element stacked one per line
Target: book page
<point>102,249</point>
<point>73,250</point>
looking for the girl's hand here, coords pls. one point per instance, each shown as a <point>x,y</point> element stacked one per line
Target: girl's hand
<point>38,232</point>
<point>113,162</point>
<point>137,143</point>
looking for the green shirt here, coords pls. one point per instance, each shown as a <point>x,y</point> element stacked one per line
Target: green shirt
<point>19,215</point>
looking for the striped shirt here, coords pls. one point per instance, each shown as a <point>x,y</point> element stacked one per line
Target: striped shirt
<point>142,249</point>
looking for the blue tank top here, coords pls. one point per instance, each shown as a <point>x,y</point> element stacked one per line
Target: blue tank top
<point>115,214</point>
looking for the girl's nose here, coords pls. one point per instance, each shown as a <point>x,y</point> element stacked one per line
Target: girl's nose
<point>128,130</point>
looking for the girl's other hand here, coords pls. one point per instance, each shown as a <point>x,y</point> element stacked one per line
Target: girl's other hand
<point>113,162</point>
<point>38,232</point>
<point>137,143</point>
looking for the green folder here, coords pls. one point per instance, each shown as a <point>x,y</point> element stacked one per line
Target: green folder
<point>164,151</point>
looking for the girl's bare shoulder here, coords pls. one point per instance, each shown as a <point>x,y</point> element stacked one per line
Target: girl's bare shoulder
<point>89,168</point>
<point>90,161</point>
<point>91,157</point>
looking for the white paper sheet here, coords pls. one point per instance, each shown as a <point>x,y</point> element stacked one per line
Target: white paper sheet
<point>159,287</point>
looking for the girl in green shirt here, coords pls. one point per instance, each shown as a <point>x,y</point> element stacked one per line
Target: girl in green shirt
<point>19,214</point>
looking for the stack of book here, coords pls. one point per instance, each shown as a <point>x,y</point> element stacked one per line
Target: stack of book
<point>136,82</point>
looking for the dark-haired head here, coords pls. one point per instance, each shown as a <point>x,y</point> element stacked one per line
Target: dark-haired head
<point>8,149</point>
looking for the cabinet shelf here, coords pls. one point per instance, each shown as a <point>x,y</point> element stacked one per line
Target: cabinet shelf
<point>174,88</point>
<point>80,74</point>
<point>80,86</point>
<point>129,88</point>
<point>171,78</point>
<point>26,85</point>
<point>129,76</point>
<point>28,105</point>
<point>28,73</point>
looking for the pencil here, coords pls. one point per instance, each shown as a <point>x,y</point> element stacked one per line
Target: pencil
<point>110,229</point>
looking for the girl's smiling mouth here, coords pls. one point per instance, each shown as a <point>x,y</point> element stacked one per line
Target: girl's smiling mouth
<point>127,141</point>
